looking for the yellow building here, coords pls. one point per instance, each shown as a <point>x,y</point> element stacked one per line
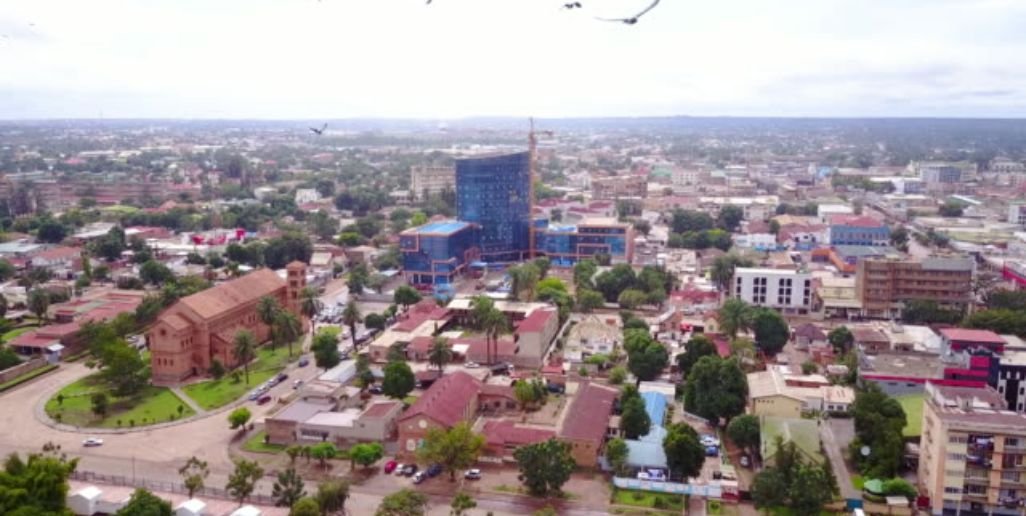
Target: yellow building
<point>776,392</point>
<point>972,452</point>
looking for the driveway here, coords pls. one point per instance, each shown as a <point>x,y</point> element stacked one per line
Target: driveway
<point>837,434</point>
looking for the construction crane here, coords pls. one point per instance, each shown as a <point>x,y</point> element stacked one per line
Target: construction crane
<point>532,145</point>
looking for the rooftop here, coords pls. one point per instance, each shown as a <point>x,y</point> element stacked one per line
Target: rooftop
<point>229,295</point>
<point>443,227</point>
<point>588,415</point>
<point>971,409</point>
<point>804,433</point>
<point>447,399</point>
<point>962,334</point>
<point>907,365</point>
<point>860,221</point>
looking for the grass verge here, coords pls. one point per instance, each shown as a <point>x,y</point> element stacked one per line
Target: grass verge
<point>648,499</point>
<point>26,377</point>
<point>256,444</point>
<point>212,394</point>
<point>912,404</point>
<point>150,406</point>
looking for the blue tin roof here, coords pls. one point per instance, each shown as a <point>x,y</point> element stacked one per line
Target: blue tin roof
<point>445,227</point>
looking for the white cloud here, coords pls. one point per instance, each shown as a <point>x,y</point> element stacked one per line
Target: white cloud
<point>398,58</point>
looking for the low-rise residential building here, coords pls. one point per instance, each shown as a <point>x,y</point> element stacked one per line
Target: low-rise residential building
<point>376,423</point>
<point>452,399</point>
<point>586,422</point>
<point>592,335</point>
<point>64,262</point>
<point>972,452</point>
<point>533,337</point>
<point>775,392</point>
<point>503,437</point>
<point>618,187</point>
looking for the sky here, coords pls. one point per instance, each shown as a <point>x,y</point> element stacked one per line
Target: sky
<point>310,59</point>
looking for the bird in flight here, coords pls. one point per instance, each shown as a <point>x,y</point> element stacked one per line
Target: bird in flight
<point>572,5</point>
<point>633,19</point>
<point>320,131</point>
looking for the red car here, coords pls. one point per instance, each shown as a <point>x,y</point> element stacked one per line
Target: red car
<point>390,466</point>
<point>264,400</point>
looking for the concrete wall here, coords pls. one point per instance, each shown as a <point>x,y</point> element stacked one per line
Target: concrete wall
<point>779,406</point>
<point>25,367</point>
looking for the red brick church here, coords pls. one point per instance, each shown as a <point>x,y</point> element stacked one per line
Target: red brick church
<point>196,330</point>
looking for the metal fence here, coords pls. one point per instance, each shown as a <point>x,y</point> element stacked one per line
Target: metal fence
<point>165,487</point>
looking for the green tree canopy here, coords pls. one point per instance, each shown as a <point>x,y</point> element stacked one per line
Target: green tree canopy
<point>771,331</point>
<point>144,503</point>
<point>398,381</point>
<point>744,431</point>
<point>454,448</point>
<point>545,466</point>
<point>684,452</point>
<point>716,388</point>
<point>404,502</point>
<point>696,348</point>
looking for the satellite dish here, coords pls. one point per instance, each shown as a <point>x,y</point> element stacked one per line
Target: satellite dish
<point>864,451</point>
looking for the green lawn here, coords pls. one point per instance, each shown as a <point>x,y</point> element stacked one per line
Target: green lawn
<point>256,444</point>
<point>6,337</point>
<point>409,400</point>
<point>718,508</point>
<point>912,404</point>
<point>857,482</point>
<point>152,405</point>
<point>648,499</point>
<point>212,394</point>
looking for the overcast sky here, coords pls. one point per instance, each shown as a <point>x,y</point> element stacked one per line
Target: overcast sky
<point>457,58</point>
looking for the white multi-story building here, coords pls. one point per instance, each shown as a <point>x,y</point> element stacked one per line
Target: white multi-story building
<point>686,176</point>
<point>756,240</point>
<point>1017,213</point>
<point>783,289</point>
<point>431,179</point>
<point>307,195</point>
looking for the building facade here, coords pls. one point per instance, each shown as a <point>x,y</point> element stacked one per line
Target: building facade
<point>617,187</point>
<point>1017,213</point>
<point>786,290</point>
<point>858,230</point>
<point>201,328</point>
<point>972,453</point>
<point>884,285</point>
<point>494,193</point>
<point>431,180</point>
<point>566,245</point>
<point>435,253</point>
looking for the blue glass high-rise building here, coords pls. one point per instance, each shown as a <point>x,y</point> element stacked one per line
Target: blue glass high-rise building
<point>494,193</point>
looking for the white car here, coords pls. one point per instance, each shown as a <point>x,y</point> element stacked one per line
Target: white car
<point>92,441</point>
<point>709,440</point>
<point>471,365</point>
<point>472,474</point>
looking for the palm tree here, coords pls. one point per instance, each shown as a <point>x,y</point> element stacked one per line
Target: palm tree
<point>480,306</point>
<point>245,347</point>
<point>267,309</point>
<point>309,304</point>
<point>493,323</point>
<point>440,353</point>
<point>351,316</point>
<point>735,315</point>
<point>287,327</point>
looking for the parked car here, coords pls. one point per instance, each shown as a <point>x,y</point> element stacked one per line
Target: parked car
<point>375,389</point>
<point>303,362</point>
<point>390,466</point>
<point>746,461</point>
<point>265,399</point>
<point>282,377</point>
<point>92,441</point>
<point>712,451</point>
<point>709,440</point>
<point>434,470</point>
<point>409,470</point>
<point>419,477</point>
<point>297,384</point>
<point>255,395</point>
<point>471,365</point>
<point>472,474</point>
<point>399,468</point>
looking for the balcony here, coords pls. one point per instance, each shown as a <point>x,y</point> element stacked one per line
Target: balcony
<point>977,480</point>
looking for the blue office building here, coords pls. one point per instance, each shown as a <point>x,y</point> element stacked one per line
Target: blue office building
<point>435,253</point>
<point>858,230</point>
<point>493,192</point>
<point>565,245</point>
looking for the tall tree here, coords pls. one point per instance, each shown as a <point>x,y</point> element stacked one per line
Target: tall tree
<point>243,479</point>
<point>744,431</point>
<point>351,317</point>
<point>287,328</point>
<point>144,503</point>
<point>461,503</point>
<point>716,388</point>
<point>325,350</point>
<point>366,454</point>
<point>634,420</point>
<point>39,303</point>
<point>735,316</point>
<point>771,331</point>
<point>545,466</point>
<point>238,418</point>
<point>404,502</point>
<point>194,474</point>
<point>309,304</point>
<point>323,452</point>
<point>406,296</point>
<point>684,452</point>
<point>36,485</point>
<point>730,217</point>
<point>244,349</point>
<point>454,448</point>
<point>616,456</point>
<point>267,309</point>
<point>723,269</point>
<point>440,353</point>
<point>288,488</point>
<point>841,339</point>
<point>332,496</point>
<point>398,381</point>
<point>696,348</point>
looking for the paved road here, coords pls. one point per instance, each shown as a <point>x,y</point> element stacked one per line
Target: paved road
<point>837,434</point>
